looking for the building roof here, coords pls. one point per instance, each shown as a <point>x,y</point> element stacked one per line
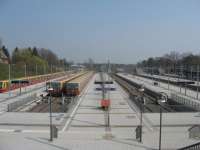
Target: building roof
<point>3,57</point>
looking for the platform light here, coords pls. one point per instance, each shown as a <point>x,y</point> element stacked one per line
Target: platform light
<point>163,99</point>
<point>50,113</point>
<point>50,89</point>
<point>141,90</point>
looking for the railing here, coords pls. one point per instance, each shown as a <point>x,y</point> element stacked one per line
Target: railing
<point>185,101</point>
<point>191,147</point>
<point>14,105</point>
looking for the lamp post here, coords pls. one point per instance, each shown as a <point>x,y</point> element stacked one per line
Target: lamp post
<point>168,78</point>
<point>50,114</point>
<point>9,83</point>
<point>36,69</point>
<point>197,82</point>
<point>141,90</point>
<point>160,102</point>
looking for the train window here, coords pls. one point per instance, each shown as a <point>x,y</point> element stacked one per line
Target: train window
<point>48,85</point>
<point>7,84</point>
<point>1,84</point>
<point>55,85</point>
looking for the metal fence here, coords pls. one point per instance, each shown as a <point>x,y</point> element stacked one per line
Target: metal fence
<point>191,147</point>
<point>185,101</point>
<point>13,106</point>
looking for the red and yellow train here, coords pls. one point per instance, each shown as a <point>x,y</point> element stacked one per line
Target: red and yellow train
<point>5,85</point>
<point>70,87</point>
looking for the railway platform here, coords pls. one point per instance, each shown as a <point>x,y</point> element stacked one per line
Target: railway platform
<point>85,126</point>
<point>179,94</point>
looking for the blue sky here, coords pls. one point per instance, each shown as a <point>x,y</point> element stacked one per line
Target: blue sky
<point>125,31</point>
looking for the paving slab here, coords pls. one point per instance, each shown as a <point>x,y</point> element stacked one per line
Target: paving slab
<point>174,119</point>
<point>124,120</point>
<point>122,111</point>
<point>90,111</point>
<point>40,119</point>
<point>67,141</point>
<point>88,120</point>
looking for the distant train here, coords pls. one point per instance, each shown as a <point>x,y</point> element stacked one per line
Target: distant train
<point>74,87</point>
<point>69,87</point>
<point>5,85</point>
<point>57,86</point>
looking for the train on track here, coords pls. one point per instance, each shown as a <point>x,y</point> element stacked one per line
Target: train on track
<point>6,85</point>
<point>173,80</point>
<point>71,86</point>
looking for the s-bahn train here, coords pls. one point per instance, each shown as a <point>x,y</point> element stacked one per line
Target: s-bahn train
<point>57,87</point>
<point>72,89</point>
<point>14,84</point>
<point>69,87</point>
<point>5,85</point>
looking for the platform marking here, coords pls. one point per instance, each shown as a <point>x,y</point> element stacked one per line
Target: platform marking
<point>145,120</point>
<point>76,107</point>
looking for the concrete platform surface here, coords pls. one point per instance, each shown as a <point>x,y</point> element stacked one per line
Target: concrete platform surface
<point>86,127</point>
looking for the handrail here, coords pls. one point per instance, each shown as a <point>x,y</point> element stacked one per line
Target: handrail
<point>195,146</point>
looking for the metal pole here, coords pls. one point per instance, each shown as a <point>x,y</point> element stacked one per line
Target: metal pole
<point>44,69</point>
<point>25,70</point>
<point>36,70</point>
<point>179,78</point>
<point>108,117</point>
<point>197,81</point>
<point>63,99</point>
<point>185,88</point>
<point>186,77</point>
<point>50,112</point>
<point>168,77</point>
<point>191,73</point>
<point>25,75</point>
<point>160,134</point>
<point>9,80</point>
<point>20,89</point>
<point>141,116</point>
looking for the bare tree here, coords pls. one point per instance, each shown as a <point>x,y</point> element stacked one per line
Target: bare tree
<point>49,56</point>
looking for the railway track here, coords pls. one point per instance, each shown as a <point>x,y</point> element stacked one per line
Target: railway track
<point>44,106</point>
<point>151,104</point>
<point>57,105</point>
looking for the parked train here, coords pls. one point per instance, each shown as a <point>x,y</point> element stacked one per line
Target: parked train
<point>74,87</point>
<point>5,85</point>
<point>71,86</point>
<point>58,85</point>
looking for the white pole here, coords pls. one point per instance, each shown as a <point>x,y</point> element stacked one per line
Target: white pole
<point>9,84</point>
<point>168,77</point>
<point>185,81</point>
<point>25,75</point>
<point>51,69</point>
<point>36,70</point>
<point>25,71</point>
<point>179,77</point>
<point>44,69</point>
<point>197,81</point>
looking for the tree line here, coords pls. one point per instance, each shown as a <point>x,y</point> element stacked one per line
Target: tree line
<point>30,61</point>
<point>173,62</point>
<point>170,60</point>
